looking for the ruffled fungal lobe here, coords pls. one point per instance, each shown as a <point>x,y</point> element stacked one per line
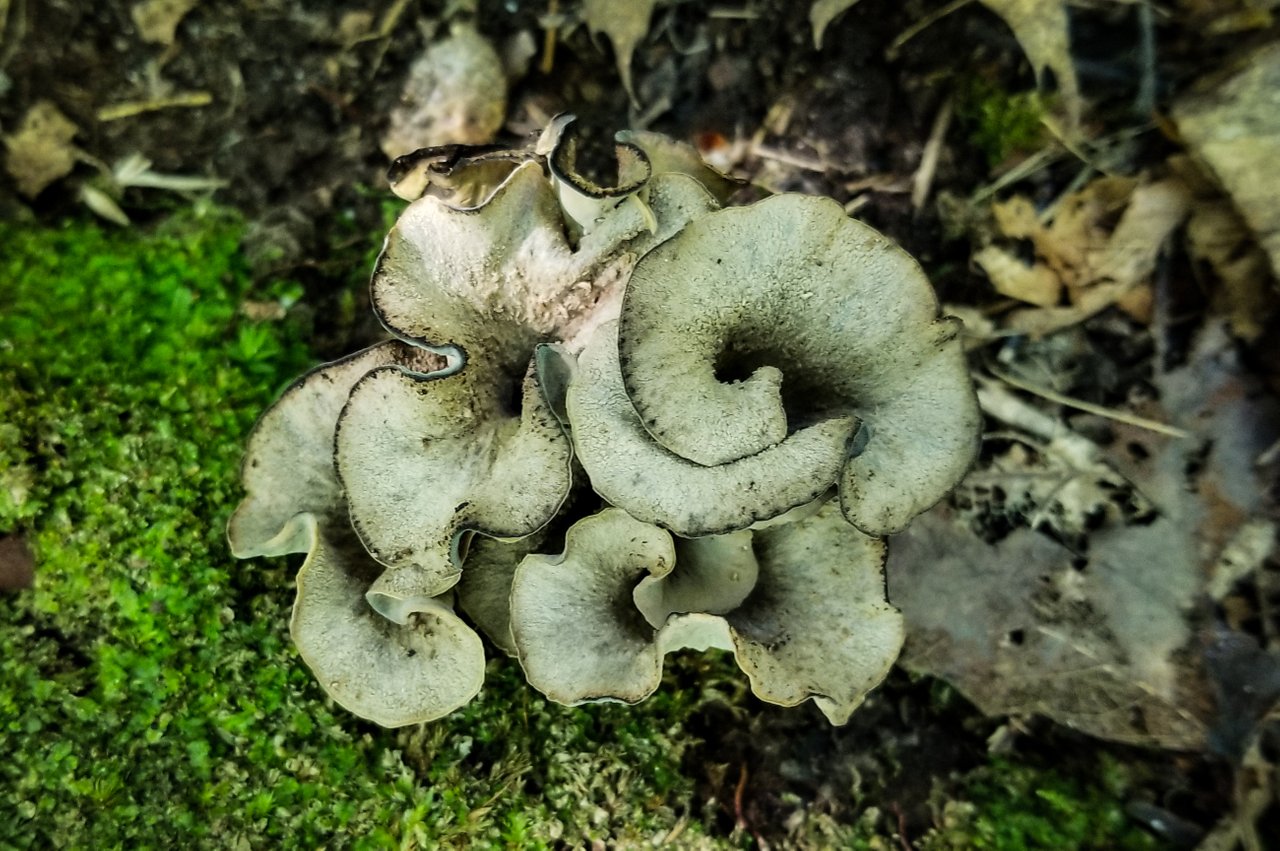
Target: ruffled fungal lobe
<point>288,466</point>
<point>801,605</point>
<point>420,666</point>
<point>634,472</point>
<point>425,459</point>
<point>755,324</point>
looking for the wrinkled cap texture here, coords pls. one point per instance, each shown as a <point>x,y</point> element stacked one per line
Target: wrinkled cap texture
<point>288,466</point>
<point>756,324</point>
<point>495,280</point>
<point>423,459</point>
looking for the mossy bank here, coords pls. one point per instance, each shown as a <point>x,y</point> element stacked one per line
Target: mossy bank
<point>148,690</point>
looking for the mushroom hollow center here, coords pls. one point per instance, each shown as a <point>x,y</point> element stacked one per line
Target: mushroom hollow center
<point>594,155</point>
<point>511,396</point>
<point>806,397</point>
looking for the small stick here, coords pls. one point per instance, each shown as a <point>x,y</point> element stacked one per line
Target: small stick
<point>804,163</point>
<point>738,792</point>
<point>1090,408</point>
<point>922,181</point>
<point>138,107</point>
<point>549,40</point>
<point>922,25</point>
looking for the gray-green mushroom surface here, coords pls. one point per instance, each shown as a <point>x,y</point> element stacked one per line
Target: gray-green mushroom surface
<point>757,394</point>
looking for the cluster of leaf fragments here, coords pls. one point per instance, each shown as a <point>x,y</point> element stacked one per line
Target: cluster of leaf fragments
<point>717,412</point>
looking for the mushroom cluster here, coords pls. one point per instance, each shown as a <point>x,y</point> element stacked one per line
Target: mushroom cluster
<point>714,413</point>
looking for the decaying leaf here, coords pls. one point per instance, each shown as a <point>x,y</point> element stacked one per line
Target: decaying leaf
<point>455,93</point>
<point>1019,629</point>
<point>1234,130</point>
<point>1217,236</point>
<point>40,151</point>
<point>1100,247</point>
<point>625,25</point>
<point>1041,28</point>
<point>157,20</point>
<point>1035,284</point>
<point>822,13</point>
<point>1102,635</point>
<point>1053,489</point>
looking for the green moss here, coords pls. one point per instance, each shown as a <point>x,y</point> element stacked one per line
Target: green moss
<point>1014,806</point>
<point>1001,124</point>
<point>149,695</point>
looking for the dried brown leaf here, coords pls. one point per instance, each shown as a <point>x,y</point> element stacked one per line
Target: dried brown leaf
<point>1102,245</point>
<point>40,152</point>
<point>625,25</point>
<point>1234,130</point>
<point>157,20</point>
<point>1154,211</point>
<point>1035,284</point>
<point>1218,237</point>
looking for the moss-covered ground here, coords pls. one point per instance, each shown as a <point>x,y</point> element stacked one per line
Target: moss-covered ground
<point>149,695</point>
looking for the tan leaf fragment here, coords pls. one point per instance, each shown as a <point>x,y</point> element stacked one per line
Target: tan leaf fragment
<point>455,93</point>
<point>1041,28</point>
<point>157,20</point>
<point>625,25</point>
<point>1217,236</point>
<point>1154,211</point>
<point>40,151</point>
<point>1035,284</point>
<point>1082,224</point>
<point>822,13</point>
<point>1234,130</point>
<point>1102,245</point>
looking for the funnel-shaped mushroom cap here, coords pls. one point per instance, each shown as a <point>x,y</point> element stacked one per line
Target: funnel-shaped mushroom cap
<point>418,668</point>
<point>813,624</point>
<point>715,575</point>
<point>288,465</point>
<point>586,201</point>
<point>755,321</point>
<point>579,635</point>
<point>423,459</point>
<point>496,279</point>
<point>634,472</point>
<point>817,624</point>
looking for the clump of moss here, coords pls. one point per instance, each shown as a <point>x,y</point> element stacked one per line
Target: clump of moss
<point>1001,124</point>
<point>149,694</point>
<point>1019,805</point>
